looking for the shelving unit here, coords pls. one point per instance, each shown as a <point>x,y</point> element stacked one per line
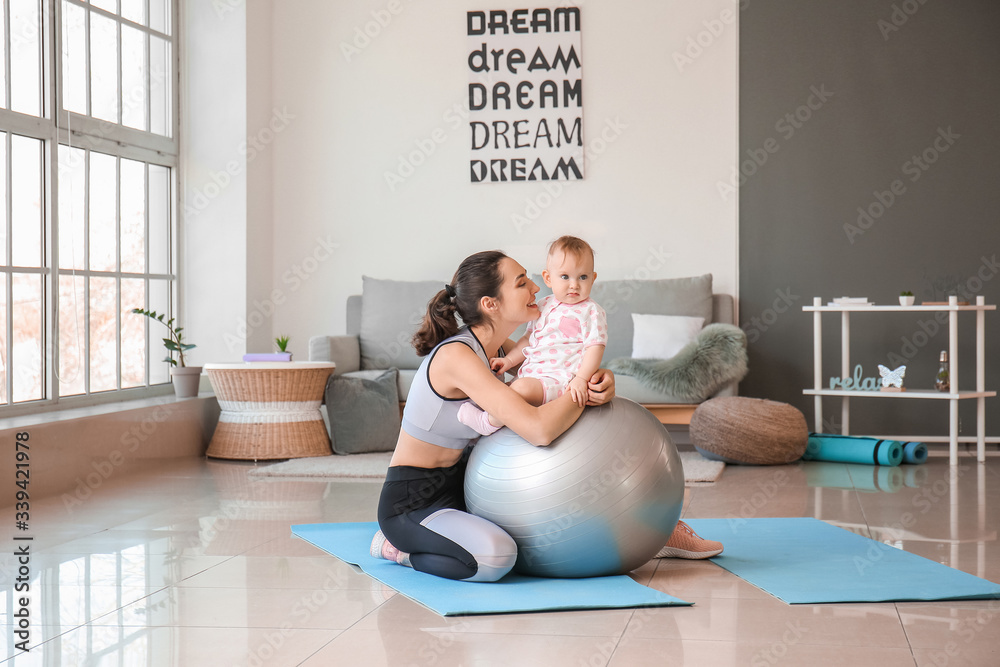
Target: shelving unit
<point>953,309</point>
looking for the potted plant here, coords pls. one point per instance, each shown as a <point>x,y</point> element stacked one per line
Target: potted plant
<point>282,344</point>
<point>186,378</point>
<point>906,298</point>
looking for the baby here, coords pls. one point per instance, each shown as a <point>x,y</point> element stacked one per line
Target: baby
<point>562,349</point>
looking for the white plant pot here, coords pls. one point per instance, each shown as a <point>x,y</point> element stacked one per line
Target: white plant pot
<point>906,300</point>
<point>186,380</point>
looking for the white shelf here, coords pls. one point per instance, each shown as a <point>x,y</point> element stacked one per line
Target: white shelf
<point>980,394</point>
<point>895,309</point>
<point>909,393</point>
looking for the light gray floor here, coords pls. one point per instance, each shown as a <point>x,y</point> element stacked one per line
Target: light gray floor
<point>193,564</point>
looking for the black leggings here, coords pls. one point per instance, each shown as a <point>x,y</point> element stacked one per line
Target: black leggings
<point>422,512</point>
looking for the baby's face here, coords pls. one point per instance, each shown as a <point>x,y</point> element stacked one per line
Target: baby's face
<point>570,277</point>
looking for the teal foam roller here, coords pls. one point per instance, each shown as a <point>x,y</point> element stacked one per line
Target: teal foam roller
<point>914,452</point>
<point>852,449</point>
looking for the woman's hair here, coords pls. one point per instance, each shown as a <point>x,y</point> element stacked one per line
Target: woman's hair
<point>477,276</point>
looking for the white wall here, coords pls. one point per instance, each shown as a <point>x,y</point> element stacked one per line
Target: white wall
<point>330,126</point>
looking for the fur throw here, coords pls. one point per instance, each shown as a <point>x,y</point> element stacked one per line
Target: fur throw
<point>716,357</point>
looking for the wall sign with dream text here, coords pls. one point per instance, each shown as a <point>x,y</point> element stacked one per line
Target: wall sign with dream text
<point>525,95</point>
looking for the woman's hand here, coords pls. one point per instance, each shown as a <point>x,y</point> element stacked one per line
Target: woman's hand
<point>601,386</point>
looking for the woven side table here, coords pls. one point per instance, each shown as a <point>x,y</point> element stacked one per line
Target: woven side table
<point>270,410</point>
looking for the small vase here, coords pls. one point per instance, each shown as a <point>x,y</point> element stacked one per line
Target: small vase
<point>906,300</point>
<point>186,380</point>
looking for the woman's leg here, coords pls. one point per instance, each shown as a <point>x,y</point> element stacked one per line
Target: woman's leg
<point>492,550</point>
<point>452,544</point>
<point>422,513</point>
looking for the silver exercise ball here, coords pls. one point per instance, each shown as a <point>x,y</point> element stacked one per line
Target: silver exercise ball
<point>602,499</point>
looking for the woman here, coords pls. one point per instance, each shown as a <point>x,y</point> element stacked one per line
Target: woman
<point>421,514</point>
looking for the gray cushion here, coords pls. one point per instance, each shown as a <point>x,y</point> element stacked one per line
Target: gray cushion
<point>667,296</point>
<point>363,411</point>
<point>391,312</point>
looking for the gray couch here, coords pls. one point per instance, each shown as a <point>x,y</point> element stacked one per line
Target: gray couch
<point>382,319</point>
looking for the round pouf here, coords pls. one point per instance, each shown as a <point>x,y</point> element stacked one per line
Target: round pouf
<point>602,499</point>
<point>755,431</point>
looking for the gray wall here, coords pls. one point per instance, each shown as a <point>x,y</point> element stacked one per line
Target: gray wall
<point>887,81</point>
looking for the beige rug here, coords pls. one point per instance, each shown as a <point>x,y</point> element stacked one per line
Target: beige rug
<point>371,467</point>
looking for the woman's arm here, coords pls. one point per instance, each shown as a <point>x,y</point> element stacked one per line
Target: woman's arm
<point>458,370</point>
<point>512,346</point>
<point>514,356</point>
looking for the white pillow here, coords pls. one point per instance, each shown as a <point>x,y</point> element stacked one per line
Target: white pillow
<point>662,336</point>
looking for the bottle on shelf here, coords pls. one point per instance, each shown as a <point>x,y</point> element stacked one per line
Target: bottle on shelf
<point>941,381</point>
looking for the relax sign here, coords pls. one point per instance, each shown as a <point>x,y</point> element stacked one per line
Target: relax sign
<point>856,382</point>
<point>525,95</point>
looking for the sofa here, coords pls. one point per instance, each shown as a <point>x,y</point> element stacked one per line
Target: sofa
<point>381,320</point>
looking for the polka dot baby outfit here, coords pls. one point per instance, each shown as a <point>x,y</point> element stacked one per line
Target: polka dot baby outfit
<point>558,339</point>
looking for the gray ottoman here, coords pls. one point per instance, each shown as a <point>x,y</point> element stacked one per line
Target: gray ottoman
<point>754,431</point>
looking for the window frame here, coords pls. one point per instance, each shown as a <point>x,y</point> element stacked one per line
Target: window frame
<point>54,127</point>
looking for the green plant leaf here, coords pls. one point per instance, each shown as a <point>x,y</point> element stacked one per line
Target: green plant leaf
<point>175,342</point>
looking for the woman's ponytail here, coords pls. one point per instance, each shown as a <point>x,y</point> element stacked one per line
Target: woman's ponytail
<point>439,323</point>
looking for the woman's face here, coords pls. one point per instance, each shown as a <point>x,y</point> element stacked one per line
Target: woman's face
<point>517,294</point>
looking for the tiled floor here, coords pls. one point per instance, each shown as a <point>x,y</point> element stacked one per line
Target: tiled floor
<point>192,563</point>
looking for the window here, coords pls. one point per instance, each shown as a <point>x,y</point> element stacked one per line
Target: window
<point>88,154</point>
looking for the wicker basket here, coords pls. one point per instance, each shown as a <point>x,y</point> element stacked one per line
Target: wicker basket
<point>269,410</point>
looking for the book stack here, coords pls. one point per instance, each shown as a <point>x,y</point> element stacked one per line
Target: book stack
<point>851,301</point>
<point>273,356</point>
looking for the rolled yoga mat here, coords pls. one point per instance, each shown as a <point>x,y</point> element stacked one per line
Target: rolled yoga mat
<point>914,452</point>
<point>851,449</point>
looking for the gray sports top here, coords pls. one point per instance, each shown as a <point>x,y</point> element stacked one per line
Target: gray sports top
<point>431,417</point>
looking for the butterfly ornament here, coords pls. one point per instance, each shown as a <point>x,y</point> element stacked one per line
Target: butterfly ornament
<point>892,378</point>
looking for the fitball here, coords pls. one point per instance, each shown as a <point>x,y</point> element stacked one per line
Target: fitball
<point>602,499</point>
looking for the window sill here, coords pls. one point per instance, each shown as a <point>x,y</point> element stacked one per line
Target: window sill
<point>34,415</point>
<point>75,450</point>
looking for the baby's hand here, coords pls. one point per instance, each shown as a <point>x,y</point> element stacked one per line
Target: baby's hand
<point>500,365</point>
<point>578,390</point>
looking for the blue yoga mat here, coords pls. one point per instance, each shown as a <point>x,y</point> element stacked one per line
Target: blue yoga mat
<point>852,449</point>
<point>514,593</point>
<point>914,452</point>
<point>807,561</point>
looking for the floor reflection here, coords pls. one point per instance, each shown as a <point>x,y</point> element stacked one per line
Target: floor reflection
<point>198,567</point>
<point>910,507</point>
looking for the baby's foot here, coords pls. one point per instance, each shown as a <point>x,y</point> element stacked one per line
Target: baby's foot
<point>476,419</point>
